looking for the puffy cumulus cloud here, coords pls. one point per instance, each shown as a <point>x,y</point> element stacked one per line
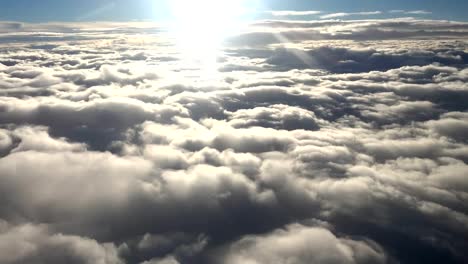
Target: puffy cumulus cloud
<point>453,125</point>
<point>69,190</point>
<point>167,260</point>
<point>95,122</point>
<point>275,116</point>
<point>29,138</point>
<point>322,141</point>
<point>301,244</point>
<point>29,243</point>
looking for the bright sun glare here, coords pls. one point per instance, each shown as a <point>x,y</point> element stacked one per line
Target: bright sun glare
<point>199,27</point>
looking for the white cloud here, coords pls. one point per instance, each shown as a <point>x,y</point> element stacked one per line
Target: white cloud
<point>301,244</point>
<point>294,13</point>
<point>36,244</point>
<point>340,141</point>
<point>413,12</point>
<point>335,15</point>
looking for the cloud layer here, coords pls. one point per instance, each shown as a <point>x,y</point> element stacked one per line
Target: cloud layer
<point>311,142</point>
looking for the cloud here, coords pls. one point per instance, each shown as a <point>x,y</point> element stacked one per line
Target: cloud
<point>276,32</point>
<point>452,125</point>
<point>300,244</point>
<point>331,141</point>
<point>335,15</point>
<point>286,13</point>
<point>36,244</point>
<point>414,12</point>
<point>419,12</point>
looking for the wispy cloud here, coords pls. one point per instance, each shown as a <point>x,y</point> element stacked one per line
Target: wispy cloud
<point>294,13</point>
<point>419,12</point>
<point>413,12</point>
<point>397,11</point>
<point>335,15</point>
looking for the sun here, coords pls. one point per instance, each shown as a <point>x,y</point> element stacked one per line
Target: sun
<point>200,26</point>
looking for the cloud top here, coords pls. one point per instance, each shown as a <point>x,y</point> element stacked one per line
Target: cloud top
<point>318,141</point>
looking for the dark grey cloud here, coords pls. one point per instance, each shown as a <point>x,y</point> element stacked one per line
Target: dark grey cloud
<point>309,141</point>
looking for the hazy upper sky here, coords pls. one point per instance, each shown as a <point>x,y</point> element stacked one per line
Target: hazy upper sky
<point>89,10</point>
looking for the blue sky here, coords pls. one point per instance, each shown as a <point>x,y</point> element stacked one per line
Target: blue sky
<point>89,10</point>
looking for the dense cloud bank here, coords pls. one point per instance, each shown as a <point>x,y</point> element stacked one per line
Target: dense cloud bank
<point>310,142</point>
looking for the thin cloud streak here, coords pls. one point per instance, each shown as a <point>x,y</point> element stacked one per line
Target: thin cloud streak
<point>285,13</point>
<point>335,15</point>
<point>414,12</point>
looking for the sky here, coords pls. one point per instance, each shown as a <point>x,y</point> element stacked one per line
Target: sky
<point>122,10</point>
<point>320,132</point>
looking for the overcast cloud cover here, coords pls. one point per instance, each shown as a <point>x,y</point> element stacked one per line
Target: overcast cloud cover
<point>313,142</point>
